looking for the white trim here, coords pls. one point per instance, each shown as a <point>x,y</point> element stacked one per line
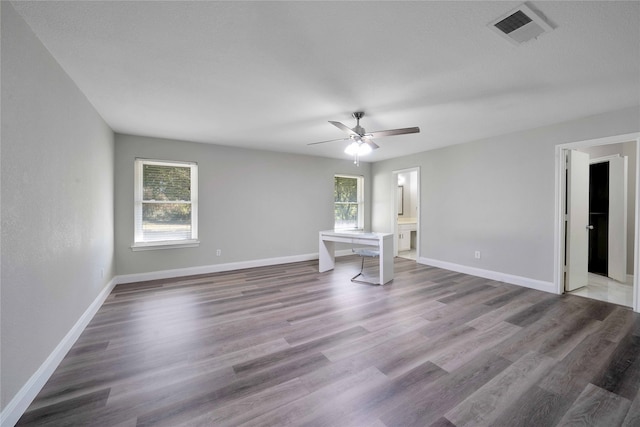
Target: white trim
<point>138,199</point>
<point>21,401</point>
<point>526,282</point>
<point>558,264</point>
<point>604,159</point>
<point>173,244</point>
<point>636,250</point>
<point>214,268</point>
<point>559,219</point>
<point>616,139</point>
<point>360,202</point>
<point>165,162</point>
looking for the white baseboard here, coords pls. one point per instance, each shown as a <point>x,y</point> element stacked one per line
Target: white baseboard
<point>21,401</point>
<point>215,268</point>
<point>539,285</point>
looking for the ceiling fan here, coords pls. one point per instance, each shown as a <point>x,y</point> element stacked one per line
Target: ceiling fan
<point>362,142</point>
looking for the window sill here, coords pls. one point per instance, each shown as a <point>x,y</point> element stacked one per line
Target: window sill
<point>152,246</point>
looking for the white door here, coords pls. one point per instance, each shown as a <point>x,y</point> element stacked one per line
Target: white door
<point>577,220</point>
<point>617,257</point>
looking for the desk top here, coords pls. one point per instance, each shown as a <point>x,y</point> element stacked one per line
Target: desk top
<point>355,233</point>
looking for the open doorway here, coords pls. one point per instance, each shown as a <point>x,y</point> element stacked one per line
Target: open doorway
<point>599,235</point>
<point>406,215</point>
<point>598,261</point>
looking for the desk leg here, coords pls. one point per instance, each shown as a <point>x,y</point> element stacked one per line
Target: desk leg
<point>327,256</point>
<point>386,260</point>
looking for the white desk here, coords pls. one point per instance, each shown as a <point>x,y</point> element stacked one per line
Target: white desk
<point>383,241</point>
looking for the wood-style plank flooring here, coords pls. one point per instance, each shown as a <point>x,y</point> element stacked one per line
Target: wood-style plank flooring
<point>288,346</point>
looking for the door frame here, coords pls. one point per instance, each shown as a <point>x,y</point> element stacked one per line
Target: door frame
<point>560,194</point>
<point>394,209</point>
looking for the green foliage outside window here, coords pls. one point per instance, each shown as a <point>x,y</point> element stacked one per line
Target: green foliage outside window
<point>166,184</point>
<point>346,202</point>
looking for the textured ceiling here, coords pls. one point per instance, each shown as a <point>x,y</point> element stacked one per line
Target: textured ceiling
<point>269,75</point>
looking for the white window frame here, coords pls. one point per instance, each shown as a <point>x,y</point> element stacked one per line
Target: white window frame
<point>139,244</point>
<point>360,201</point>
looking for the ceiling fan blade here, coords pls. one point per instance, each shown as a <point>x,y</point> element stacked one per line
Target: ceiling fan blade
<point>331,140</point>
<point>370,143</point>
<point>343,127</point>
<point>391,132</point>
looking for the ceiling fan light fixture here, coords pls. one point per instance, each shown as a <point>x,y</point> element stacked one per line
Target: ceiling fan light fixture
<point>364,149</point>
<point>358,148</point>
<point>361,142</point>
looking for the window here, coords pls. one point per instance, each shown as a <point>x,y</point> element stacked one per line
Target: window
<point>349,202</point>
<point>166,204</point>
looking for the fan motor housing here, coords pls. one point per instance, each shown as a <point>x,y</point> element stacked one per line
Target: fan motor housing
<point>358,129</point>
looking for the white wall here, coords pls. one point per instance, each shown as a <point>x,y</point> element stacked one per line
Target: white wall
<point>57,205</point>
<point>494,195</point>
<point>253,205</point>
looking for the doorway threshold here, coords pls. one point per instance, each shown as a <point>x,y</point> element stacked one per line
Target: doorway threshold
<point>602,288</point>
<point>408,254</point>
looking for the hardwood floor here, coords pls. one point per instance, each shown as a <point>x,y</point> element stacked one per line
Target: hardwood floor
<point>287,346</point>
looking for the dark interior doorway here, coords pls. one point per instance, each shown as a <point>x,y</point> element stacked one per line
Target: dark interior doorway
<point>599,218</point>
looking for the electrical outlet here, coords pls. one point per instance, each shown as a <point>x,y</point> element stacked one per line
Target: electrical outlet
<point>102,273</point>
<point>218,252</point>
<point>477,254</point>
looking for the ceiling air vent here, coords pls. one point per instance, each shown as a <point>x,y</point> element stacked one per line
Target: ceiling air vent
<point>520,25</point>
